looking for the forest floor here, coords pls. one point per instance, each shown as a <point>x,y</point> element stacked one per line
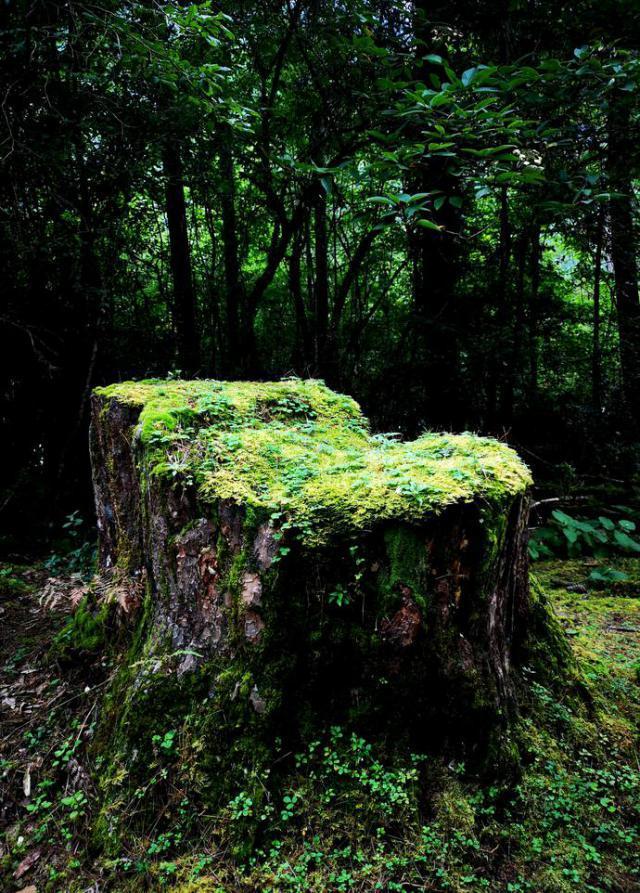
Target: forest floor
<point>568,822</point>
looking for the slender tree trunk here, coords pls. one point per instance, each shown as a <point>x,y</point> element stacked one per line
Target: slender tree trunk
<point>233,285</point>
<point>435,259</point>
<point>211,362</point>
<point>517,329</point>
<point>596,353</point>
<point>533,312</point>
<point>184,301</point>
<point>623,250</point>
<point>302,351</point>
<point>321,282</point>
<point>89,303</point>
<point>503,382</point>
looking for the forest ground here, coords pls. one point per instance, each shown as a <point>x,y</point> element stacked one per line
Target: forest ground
<point>567,823</point>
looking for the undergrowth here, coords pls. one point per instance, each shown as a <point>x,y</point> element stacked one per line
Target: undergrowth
<point>344,814</point>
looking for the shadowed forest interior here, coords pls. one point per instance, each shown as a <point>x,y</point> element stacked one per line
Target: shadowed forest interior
<point>320,424</point>
<point>431,206</point>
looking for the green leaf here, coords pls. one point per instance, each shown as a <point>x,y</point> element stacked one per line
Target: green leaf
<point>564,519</point>
<point>429,224</point>
<point>607,575</point>
<point>468,76</point>
<point>382,200</point>
<point>626,542</point>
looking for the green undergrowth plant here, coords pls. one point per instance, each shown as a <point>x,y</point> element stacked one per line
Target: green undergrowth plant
<point>602,537</point>
<point>345,812</point>
<point>11,582</point>
<point>85,632</point>
<point>351,817</point>
<point>75,549</point>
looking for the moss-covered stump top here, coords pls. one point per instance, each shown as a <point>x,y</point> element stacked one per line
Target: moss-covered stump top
<point>298,448</point>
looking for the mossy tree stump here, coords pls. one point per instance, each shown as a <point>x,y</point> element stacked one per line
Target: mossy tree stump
<point>294,570</point>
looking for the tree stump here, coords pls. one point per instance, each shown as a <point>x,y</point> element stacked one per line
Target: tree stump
<point>286,568</point>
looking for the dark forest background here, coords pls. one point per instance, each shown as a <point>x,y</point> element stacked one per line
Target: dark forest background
<point>429,205</point>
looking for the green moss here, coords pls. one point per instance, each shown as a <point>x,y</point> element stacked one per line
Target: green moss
<point>298,448</point>
<point>407,566</point>
<point>11,583</point>
<point>85,631</point>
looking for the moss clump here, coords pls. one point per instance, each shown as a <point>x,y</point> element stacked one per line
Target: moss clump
<point>85,632</point>
<point>11,583</point>
<point>299,448</point>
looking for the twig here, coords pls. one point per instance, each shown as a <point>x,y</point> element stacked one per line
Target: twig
<point>554,500</point>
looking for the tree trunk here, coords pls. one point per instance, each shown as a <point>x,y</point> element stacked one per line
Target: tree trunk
<point>184,301</point>
<point>504,318</point>
<point>435,261</point>
<point>233,285</point>
<point>623,249</point>
<point>302,351</point>
<point>409,625</point>
<point>596,352</point>
<point>321,283</point>
<point>536,252</point>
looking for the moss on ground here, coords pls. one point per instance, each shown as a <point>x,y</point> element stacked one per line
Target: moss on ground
<point>297,447</point>
<point>12,583</point>
<point>603,628</point>
<point>85,631</point>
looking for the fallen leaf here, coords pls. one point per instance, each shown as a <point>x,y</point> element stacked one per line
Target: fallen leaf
<point>27,863</point>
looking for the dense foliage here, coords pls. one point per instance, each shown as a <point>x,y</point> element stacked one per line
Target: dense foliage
<point>430,206</point>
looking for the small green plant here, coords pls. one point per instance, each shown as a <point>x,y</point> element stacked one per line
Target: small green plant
<point>10,581</point>
<point>339,597</point>
<point>566,535</point>
<point>65,751</point>
<point>77,551</point>
<point>165,743</point>
<point>607,575</point>
<point>241,807</point>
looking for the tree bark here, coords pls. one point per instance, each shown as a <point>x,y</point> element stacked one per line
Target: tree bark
<point>596,351</point>
<point>435,261</point>
<point>429,645</point>
<point>184,300</point>
<point>233,285</point>
<point>623,249</point>
<point>536,253</point>
<point>321,293</point>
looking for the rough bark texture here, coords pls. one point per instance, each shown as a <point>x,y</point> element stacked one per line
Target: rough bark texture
<point>410,629</point>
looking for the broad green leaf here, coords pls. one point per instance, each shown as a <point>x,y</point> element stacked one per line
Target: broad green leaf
<point>626,542</point>
<point>429,224</point>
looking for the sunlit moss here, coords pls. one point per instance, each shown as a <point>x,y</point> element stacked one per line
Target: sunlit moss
<point>297,447</point>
